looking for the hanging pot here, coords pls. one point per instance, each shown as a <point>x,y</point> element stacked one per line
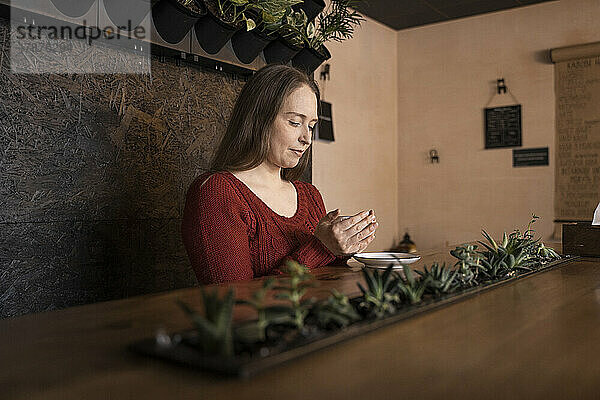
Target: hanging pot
<point>173,21</point>
<point>279,51</point>
<point>212,33</point>
<point>311,8</point>
<point>247,45</point>
<point>73,8</point>
<point>127,14</point>
<point>309,59</point>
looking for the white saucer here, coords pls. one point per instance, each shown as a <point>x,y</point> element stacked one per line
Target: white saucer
<point>382,260</point>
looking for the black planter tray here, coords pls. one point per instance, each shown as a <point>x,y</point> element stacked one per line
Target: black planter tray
<point>245,365</point>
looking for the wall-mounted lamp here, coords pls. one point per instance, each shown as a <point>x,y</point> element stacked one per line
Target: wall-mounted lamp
<point>434,157</point>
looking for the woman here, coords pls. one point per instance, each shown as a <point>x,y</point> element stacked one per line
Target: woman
<point>244,217</point>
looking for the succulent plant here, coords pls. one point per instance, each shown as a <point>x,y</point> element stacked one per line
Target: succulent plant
<point>214,327</point>
<point>468,264</point>
<point>500,264</point>
<point>516,252</point>
<point>546,253</point>
<point>292,289</point>
<point>255,331</point>
<point>537,250</point>
<point>335,311</point>
<point>411,288</point>
<point>382,293</point>
<point>439,280</point>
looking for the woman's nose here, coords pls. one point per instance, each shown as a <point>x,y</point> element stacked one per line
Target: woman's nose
<point>306,135</point>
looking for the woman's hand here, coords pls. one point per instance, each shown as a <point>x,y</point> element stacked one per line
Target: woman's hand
<point>346,236</point>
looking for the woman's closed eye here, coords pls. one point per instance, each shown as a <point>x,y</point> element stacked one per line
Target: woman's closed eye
<point>298,124</point>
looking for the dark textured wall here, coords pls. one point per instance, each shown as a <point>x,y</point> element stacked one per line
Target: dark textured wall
<point>93,174</point>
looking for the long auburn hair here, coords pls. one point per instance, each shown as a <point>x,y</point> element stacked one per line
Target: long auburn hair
<point>246,142</point>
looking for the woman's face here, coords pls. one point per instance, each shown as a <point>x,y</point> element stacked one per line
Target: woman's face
<point>293,127</point>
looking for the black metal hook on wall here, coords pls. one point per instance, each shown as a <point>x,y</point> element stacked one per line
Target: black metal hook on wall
<point>501,86</point>
<point>434,157</point>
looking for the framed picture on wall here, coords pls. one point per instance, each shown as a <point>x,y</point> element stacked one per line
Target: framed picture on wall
<point>325,125</point>
<point>503,126</point>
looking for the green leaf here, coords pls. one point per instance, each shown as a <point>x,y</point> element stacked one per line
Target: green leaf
<point>270,19</point>
<point>489,239</point>
<point>225,312</point>
<point>250,24</point>
<point>310,30</point>
<point>504,240</point>
<point>274,9</point>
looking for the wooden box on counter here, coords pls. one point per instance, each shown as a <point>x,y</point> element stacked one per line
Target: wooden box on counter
<point>581,239</point>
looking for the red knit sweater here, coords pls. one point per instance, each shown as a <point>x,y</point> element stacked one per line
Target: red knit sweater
<point>231,234</point>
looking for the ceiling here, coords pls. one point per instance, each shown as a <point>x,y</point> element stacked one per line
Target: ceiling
<point>402,14</point>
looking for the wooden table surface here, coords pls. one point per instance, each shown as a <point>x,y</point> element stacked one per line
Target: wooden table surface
<point>536,338</point>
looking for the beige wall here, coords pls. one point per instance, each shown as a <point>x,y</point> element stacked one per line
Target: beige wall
<point>396,95</point>
<point>446,76</point>
<point>359,170</point>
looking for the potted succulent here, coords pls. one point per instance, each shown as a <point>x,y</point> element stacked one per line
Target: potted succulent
<point>73,9</point>
<point>173,19</point>
<point>294,324</point>
<point>336,23</point>
<point>268,14</point>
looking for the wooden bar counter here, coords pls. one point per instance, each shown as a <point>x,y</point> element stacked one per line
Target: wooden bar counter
<point>535,338</point>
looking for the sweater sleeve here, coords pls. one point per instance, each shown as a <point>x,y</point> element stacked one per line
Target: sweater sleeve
<point>215,227</point>
<point>313,253</point>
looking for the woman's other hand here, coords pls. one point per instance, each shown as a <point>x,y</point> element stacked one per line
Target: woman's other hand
<point>346,236</point>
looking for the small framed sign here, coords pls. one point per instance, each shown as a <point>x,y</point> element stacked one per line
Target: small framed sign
<point>503,126</point>
<point>325,125</point>
<point>530,157</point>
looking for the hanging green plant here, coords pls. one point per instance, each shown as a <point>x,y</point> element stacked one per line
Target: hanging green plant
<point>192,6</point>
<point>293,26</point>
<point>336,23</point>
<point>272,12</point>
<point>251,13</point>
